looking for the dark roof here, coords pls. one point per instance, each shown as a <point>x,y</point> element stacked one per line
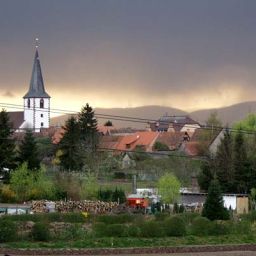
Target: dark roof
<point>16,119</point>
<point>36,88</point>
<point>177,122</point>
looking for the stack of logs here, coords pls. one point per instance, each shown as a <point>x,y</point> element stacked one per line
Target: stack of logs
<point>95,207</point>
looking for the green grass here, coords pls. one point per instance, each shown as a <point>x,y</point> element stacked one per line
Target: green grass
<point>91,242</point>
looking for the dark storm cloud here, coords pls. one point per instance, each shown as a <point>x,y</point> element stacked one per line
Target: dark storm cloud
<point>149,47</point>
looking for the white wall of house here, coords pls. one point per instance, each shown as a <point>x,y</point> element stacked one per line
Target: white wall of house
<point>229,201</point>
<point>214,146</point>
<point>34,116</point>
<point>190,127</point>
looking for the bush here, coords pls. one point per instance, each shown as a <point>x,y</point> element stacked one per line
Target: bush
<point>201,226</point>
<point>133,231</point>
<point>72,232</point>
<point>116,219</point>
<point>116,230</point>
<point>242,227</point>
<point>175,226</point>
<point>161,216</point>
<point>7,231</point>
<point>40,232</point>
<point>220,228</point>
<point>188,217</point>
<point>99,229</point>
<point>158,146</point>
<point>151,229</point>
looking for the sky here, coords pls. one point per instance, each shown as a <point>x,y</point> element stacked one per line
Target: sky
<point>187,54</point>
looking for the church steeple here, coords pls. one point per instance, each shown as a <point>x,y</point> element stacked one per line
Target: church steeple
<point>36,100</point>
<point>36,88</point>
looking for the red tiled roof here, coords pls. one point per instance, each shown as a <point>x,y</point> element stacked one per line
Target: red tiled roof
<point>145,139</point>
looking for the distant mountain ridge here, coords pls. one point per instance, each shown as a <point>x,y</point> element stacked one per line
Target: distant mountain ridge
<point>228,115</point>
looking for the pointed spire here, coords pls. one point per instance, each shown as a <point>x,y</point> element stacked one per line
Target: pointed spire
<point>36,88</point>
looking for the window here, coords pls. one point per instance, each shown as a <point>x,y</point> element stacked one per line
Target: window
<point>42,124</point>
<point>42,115</point>
<point>28,103</point>
<point>42,103</point>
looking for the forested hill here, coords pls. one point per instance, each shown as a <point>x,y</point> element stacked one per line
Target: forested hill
<point>228,115</point>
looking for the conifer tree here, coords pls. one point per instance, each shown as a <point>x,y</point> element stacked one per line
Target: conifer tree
<point>214,206</point>
<point>88,128</point>
<point>224,163</point>
<point>7,146</point>
<point>242,166</point>
<point>28,151</point>
<point>70,147</point>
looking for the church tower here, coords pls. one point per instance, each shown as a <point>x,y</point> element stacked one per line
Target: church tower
<point>36,100</point>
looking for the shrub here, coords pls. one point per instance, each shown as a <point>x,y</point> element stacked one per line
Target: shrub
<point>158,146</point>
<point>40,232</point>
<point>160,216</point>
<point>175,226</point>
<point>220,228</point>
<point>242,227</point>
<point>151,229</point>
<point>116,219</point>
<point>201,226</point>
<point>133,231</point>
<point>73,232</point>
<point>188,217</point>
<point>7,230</point>
<point>99,229</point>
<point>115,230</point>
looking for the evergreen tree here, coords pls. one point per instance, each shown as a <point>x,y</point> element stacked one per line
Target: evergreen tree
<point>206,175</point>
<point>214,207</point>
<point>7,146</point>
<point>88,128</point>
<point>242,166</point>
<point>71,154</point>
<point>224,163</point>
<point>28,151</point>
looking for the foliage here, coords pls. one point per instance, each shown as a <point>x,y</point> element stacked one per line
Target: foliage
<point>168,187</point>
<point>182,168</point>
<point>7,195</point>
<point>89,187</point>
<point>108,195</point>
<point>248,124</point>
<point>158,146</point>
<point>116,219</point>
<point>88,128</point>
<point>8,230</point>
<point>45,148</point>
<point>214,207</point>
<point>7,147</point>
<point>206,175</point>
<point>242,168</point>
<point>30,185</point>
<point>40,232</point>
<point>151,229</point>
<point>28,151</point>
<point>175,226</point>
<point>71,157</point>
<point>200,226</point>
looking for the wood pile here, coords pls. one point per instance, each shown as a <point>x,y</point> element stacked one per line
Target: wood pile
<point>94,207</point>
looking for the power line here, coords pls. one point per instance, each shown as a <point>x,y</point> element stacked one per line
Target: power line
<point>128,119</point>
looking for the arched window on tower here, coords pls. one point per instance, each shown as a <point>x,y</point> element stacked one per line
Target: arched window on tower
<point>42,103</point>
<point>28,103</point>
